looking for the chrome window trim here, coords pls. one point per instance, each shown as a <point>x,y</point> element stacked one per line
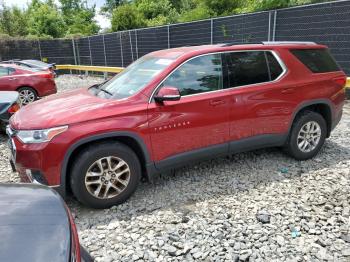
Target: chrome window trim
<point>279,60</point>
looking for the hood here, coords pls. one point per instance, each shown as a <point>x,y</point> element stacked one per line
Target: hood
<point>61,109</point>
<point>34,224</point>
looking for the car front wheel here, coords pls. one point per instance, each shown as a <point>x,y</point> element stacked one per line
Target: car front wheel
<point>105,174</point>
<point>307,135</point>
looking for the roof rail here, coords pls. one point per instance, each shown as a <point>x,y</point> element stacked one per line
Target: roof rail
<point>289,43</point>
<point>241,43</point>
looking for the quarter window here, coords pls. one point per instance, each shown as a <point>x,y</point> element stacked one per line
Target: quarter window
<point>317,60</point>
<point>198,75</point>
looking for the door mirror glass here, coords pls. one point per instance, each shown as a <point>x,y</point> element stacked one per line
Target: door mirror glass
<point>167,93</point>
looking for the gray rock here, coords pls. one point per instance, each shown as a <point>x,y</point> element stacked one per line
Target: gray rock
<point>263,217</point>
<point>171,250</point>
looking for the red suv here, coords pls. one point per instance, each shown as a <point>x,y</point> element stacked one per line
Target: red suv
<point>176,106</point>
<point>31,83</point>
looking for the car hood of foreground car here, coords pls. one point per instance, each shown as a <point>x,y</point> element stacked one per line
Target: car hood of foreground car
<point>63,109</point>
<point>34,224</point>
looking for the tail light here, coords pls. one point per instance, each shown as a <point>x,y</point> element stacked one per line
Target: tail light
<point>75,246</point>
<point>47,75</point>
<point>13,109</point>
<point>341,81</point>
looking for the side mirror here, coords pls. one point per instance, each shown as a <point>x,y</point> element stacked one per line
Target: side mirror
<point>167,93</point>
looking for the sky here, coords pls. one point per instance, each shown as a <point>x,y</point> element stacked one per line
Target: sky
<point>102,21</point>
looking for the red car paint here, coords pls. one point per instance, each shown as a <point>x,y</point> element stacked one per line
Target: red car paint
<point>41,81</point>
<point>192,123</point>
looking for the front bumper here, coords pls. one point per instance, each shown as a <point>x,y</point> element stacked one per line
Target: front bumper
<point>28,161</point>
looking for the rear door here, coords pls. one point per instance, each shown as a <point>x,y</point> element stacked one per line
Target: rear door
<point>200,119</point>
<point>253,78</point>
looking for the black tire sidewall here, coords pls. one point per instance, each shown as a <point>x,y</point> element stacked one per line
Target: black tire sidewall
<point>88,157</point>
<point>302,120</point>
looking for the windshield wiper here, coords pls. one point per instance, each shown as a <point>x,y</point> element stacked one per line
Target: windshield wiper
<point>106,91</point>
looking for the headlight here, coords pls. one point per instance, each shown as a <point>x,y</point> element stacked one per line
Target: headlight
<point>40,136</point>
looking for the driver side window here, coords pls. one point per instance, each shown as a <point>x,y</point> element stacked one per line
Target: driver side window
<point>198,75</point>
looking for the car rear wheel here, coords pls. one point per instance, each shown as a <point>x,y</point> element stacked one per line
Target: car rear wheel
<point>307,135</point>
<point>105,175</point>
<point>27,95</point>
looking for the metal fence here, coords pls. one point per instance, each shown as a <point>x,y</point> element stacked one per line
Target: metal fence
<point>326,23</point>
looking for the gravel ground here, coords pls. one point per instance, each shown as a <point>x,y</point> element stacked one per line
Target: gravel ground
<point>256,206</point>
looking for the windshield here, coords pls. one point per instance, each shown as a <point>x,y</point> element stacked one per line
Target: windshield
<point>133,78</point>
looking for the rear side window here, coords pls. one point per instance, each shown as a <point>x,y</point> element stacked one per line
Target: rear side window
<point>317,60</point>
<point>250,67</point>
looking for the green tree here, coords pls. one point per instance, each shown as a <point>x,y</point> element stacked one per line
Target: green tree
<point>110,5</point>
<point>197,13</point>
<point>157,12</point>
<point>45,20</point>
<point>13,21</point>
<point>78,17</point>
<point>223,7</point>
<point>127,17</point>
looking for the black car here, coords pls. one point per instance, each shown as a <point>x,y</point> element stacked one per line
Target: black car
<point>9,104</point>
<point>36,225</point>
<point>31,63</point>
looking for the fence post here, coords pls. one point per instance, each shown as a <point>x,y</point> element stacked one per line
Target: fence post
<point>41,58</point>
<point>104,49</point>
<point>132,50</point>
<point>74,51</point>
<point>121,48</point>
<point>168,36</point>
<point>211,31</point>
<point>269,29</point>
<point>137,48</point>
<point>274,26</point>
<point>90,50</point>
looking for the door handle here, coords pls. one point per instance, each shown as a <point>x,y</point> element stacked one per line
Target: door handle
<point>288,91</point>
<point>217,102</point>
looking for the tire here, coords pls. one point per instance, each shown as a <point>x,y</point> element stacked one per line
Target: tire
<point>92,174</point>
<point>295,146</point>
<point>27,95</point>
<point>2,127</point>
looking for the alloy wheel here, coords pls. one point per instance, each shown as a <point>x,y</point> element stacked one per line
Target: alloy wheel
<point>107,177</point>
<point>309,136</point>
<point>26,96</point>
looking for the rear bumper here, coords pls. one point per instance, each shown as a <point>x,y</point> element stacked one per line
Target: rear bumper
<point>337,119</point>
<point>48,88</point>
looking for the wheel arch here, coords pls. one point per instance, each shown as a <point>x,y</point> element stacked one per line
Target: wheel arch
<point>21,86</point>
<point>130,139</point>
<point>321,106</point>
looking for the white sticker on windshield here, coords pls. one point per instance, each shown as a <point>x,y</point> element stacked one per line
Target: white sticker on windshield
<point>163,61</point>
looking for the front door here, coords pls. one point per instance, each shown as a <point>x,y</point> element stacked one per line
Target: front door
<point>199,121</point>
<point>7,81</point>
